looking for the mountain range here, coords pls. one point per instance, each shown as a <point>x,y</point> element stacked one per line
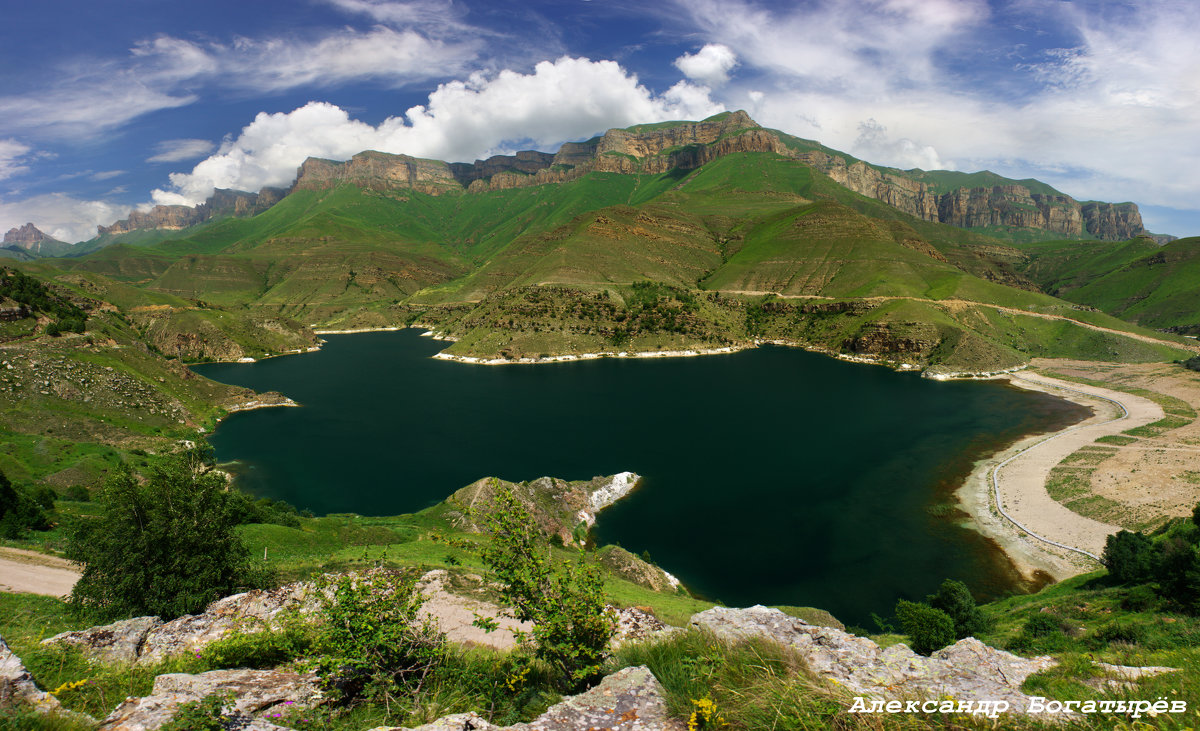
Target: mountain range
<point>714,233</point>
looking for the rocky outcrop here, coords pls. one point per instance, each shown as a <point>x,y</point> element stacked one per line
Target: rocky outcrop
<point>1112,221</point>
<point>1009,206</point>
<point>628,700</point>
<point>148,640</point>
<point>557,506</point>
<point>17,687</point>
<point>633,569</point>
<point>966,671</point>
<point>11,310</point>
<point>378,171</point>
<point>221,203</point>
<point>255,694</point>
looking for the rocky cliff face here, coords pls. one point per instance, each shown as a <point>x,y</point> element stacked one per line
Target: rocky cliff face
<point>222,202</point>
<point>655,149</point>
<point>1012,206</point>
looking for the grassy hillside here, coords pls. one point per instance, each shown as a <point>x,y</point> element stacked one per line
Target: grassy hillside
<point>1135,280</point>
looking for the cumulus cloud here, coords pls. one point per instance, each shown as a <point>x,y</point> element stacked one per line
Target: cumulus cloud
<point>874,144</point>
<point>64,217</point>
<point>12,156</point>
<point>710,65</point>
<point>561,100</point>
<point>180,149</point>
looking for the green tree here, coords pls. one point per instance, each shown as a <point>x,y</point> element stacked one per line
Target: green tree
<point>572,626</point>
<point>1178,572</point>
<point>954,598</point>
<point>1129,557</point>
<point>929,629</point>
<point>19,511</point>
<point>164,545</point>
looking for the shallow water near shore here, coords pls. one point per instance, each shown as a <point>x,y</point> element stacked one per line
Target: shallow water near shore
<point>772,476</point>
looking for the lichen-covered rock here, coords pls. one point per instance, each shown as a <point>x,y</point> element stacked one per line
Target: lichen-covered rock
<point>628,700</point>
<point>147,640</point>
<point>255,693</point>
<point>967,670</point>
<point>634,625</point>
<point>120,642</point>
<point>17,686</point>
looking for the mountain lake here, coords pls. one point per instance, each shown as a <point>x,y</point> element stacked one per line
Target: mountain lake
<point>771,476</point>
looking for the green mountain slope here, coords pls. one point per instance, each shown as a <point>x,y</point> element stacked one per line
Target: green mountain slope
<point>1135,280</point>
<point>716,215</point>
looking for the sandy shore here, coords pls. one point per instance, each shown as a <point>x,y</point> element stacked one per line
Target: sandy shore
<point>35,573</point>
<point>588,356</point>
<point>1036,531</point>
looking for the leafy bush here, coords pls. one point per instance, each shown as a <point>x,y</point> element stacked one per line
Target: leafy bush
<point>1192,363</point>
<point>20,511</point>
<point>929,629</point>
<point>1043,625</point>
<point>572,624</point>
<point>954,598</point>
<point>263,649</point>
<point>1139,599</point>
<point>207,714</point>
<point>371,642</point>
<point>1127,633</point>
<point>1129,557</point>
<point>165,546</point>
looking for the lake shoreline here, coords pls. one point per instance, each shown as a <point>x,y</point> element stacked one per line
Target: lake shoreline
<point>1034,521</point>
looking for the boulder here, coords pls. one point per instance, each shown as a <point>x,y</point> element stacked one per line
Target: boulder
<point>628,700</point>
<point>17,686</point>
<point>256,695</point>
<point>968,670</point>
<point>148,640</point>
<point>119,642</point>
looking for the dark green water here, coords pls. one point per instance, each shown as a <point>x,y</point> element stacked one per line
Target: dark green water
<point>772,476</point>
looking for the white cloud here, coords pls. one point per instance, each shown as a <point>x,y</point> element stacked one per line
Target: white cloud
<point>874,144</point>
<point>710,65</point>
<point>12,155</point>
<point>106,175</point>
<point>180,149</point>
<point>64,217</point>
<point>84,98</point>
<point>566,99</point>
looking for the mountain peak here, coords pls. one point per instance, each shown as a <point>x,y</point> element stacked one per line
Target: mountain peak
<point>26,236</point>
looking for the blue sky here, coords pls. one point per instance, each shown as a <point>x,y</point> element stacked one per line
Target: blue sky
<point>109,106</point>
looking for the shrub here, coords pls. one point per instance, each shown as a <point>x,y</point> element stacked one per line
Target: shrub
<point>207,714</point>
<point>165,546</point>
<point>572,625</point>
<point>19,511</point>
<point>1126,633</point>
<point>1139,599</point>
<point>264,649</point>
<point>371,642</point>
<point>954,598</point>
<point>1042,625</point>
<point>1129,557</point>
<point>929,629</point>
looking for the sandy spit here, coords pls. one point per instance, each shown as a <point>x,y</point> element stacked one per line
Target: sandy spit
<point>1031,522</point>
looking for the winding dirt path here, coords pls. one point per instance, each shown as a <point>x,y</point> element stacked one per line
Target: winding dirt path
<point>1018,483</point>
<point>30,572</point>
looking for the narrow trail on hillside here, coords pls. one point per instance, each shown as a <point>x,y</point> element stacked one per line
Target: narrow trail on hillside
<point>1194,348</point>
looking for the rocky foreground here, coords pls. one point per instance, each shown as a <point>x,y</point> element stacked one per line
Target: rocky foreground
<point>979,678</point>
